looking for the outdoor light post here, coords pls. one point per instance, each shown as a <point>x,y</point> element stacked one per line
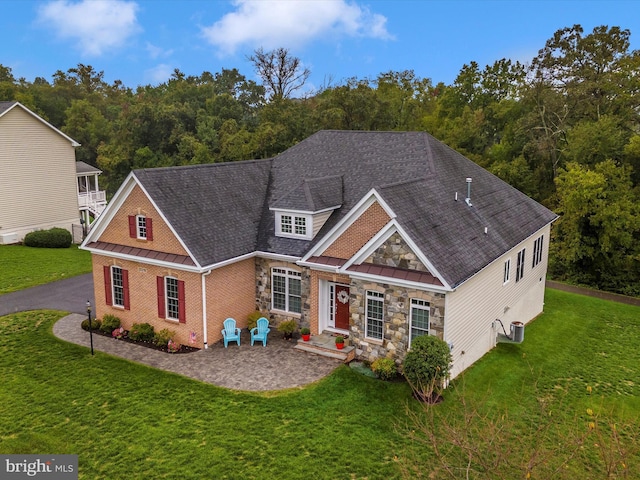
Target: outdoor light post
<point>90,328</point>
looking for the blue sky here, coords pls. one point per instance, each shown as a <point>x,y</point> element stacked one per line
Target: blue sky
<point>142,41</point>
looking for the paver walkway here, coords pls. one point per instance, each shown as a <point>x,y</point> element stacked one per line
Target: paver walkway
<point>274,367</point>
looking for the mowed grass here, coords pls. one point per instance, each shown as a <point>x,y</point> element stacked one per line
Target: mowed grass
<point>23,267</point>
<point>128,421</point>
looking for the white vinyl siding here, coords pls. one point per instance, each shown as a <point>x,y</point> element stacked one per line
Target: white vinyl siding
<point>319,220</point>
<point>37,168</point>
<point>471,310</point>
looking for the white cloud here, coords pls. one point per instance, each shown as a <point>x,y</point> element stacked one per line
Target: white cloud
<point>97,25</point>
<point>159,74</point>
<point>155,52</point>
<point>287,23</point>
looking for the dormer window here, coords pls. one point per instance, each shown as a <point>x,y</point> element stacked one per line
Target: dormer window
<point>293,225</point>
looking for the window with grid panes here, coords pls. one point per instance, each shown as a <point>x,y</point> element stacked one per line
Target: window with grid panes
<point>117,285</point>
<point>375,315</point>
<point>171,296</point>
<point>419,318</point>
<point>286,291</point>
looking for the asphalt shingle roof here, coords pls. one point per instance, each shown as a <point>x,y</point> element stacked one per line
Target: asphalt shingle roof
<point>4,106</point>
<point>222,211</point>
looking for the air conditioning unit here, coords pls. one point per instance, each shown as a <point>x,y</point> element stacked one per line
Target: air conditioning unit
<point>8,238</point>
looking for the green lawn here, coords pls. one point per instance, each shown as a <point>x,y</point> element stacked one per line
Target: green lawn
<point>24,267</point>
<point>128,421</point>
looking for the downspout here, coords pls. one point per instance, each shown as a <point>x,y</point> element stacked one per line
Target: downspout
<point>204,309</point>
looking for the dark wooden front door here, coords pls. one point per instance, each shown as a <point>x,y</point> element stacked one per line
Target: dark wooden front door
<point>341,301</point>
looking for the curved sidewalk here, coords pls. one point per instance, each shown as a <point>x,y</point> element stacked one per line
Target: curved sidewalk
<point>274,367</point>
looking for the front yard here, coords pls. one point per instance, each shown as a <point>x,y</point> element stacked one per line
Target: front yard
<point>124,420</point>
<point>24,267</point>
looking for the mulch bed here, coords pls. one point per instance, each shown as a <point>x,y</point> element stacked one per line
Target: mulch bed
<point>163,348</point>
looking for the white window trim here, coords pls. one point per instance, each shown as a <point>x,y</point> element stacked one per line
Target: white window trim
<point>426,307</point>
<point>293,215</point>
<point>113,287</point>
<point>537,251</point>
<point>378,297</point>
<point>520,264</point>
<point>506,271</point>
<point>287,273</point>
<point>166,300</point>
<point>139,236</point>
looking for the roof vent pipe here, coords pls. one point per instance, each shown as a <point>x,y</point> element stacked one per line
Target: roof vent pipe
<point>468,199</point>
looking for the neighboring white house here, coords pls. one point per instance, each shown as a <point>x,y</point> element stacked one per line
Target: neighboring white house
<point>40,185</point>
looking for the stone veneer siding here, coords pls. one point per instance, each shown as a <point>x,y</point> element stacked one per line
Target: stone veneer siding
<point>396,253</point>
<point>263,292</point>
<point>397,306</point>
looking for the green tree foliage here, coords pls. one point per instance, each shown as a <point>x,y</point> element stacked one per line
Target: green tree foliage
<point>595,241</point>
<point>577,102</point>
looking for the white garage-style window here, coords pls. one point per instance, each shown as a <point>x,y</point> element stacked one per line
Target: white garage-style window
<point>286,291</point>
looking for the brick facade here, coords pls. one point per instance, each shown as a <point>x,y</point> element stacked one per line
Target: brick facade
<point>144,298</point>
<point>137,203</point>
<point>359,233</point>
<point>230,293</point>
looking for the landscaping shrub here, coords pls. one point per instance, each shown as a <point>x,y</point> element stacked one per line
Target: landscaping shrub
<point>109,323</point>
<point>384,368</point>
<point>161,338</point>
<point>141,332</point>
<point>95,324</point>
<point>252,319</point>
<point>427,364</point>
<point>52,238</point>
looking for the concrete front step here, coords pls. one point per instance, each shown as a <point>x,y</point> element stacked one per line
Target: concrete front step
<point>325,345</point>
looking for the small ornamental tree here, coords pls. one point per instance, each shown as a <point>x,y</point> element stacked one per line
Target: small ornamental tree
<point>426,366</point>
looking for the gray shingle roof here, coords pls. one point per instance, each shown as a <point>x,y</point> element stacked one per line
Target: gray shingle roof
<point>313,195</point>
<point>85,168</point>
<point>222,210</point>
<point>4,106</point>
<point>215,209</point>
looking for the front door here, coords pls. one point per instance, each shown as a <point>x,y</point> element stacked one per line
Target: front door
<point>341,302</point>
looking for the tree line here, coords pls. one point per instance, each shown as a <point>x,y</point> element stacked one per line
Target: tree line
<point>563,128</point>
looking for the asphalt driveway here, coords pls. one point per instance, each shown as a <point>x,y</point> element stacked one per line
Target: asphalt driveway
<point>68,295</point>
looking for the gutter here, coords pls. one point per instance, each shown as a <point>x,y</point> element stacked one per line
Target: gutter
<point>204,309</point>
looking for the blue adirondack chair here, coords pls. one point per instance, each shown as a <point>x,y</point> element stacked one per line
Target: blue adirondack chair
<point>230,332</point>
<point>261,331</point>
